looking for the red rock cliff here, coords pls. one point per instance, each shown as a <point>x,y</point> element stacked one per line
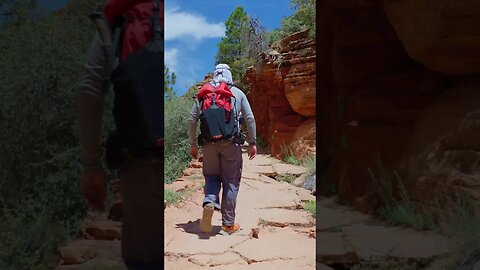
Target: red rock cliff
<point>399,86</point>
<point>283,95</point>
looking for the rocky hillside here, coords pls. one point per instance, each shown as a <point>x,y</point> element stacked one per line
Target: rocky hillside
<point>398,92</point>
<point>282,94</point>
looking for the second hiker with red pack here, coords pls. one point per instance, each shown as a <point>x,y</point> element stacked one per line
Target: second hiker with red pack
<point>219,104</point>
<point>136,148</point>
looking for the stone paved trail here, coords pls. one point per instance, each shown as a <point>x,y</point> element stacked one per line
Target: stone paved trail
<point>276,232</point>
<point>357,241</point>
<point>98,247</point>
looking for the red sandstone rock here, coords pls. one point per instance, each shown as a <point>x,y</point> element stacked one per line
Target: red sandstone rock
<point>300,88</point>
<point>442,35</point>
<point>281,96</point>
<point>304,139</point>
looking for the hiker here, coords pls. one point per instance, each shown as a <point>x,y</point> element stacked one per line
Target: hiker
<point>138,155</point>
<point>221,142</point>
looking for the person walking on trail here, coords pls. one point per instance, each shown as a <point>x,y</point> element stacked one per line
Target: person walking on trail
<point>218,105</point>
<point>137,147</point>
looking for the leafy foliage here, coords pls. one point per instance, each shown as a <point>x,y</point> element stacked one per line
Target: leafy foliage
<point>40,202</point>
<point>17,11</point>
<point>286,177</point>
<point>177,146</point>
<point>170,80</point>
<point>232,47</point>
<point>311,206</point>
<point>398,211</point>
<point>302,19</point>
<point>244,39</point>
<point>288,155</point>
<point>172,197</point>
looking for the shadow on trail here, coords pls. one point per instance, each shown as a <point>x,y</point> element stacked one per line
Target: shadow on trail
<point>193,227</point>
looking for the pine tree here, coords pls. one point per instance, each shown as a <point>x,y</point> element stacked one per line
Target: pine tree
<point>170,80</point>
<point>232,49</point>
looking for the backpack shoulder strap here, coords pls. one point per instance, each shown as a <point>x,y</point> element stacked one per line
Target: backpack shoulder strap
<point>155,18</point>
<point>156,44</point>
<point>117,36</point>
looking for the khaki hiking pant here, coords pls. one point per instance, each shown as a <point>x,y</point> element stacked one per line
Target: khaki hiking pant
<point>222,168</point>
<point>142,234</point>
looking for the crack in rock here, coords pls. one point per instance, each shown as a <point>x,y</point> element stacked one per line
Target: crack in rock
<point>256,179</point>
<point>247,260</point>
<point>284,224</point>
<point>169,242</point>
<point>292,207</point>
<point>245,183</point>
<point>186,256</point>
<point>233,246</point>
<point>252,261</point>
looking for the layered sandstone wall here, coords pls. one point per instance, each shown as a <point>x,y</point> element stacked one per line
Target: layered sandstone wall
<point>283,96</point>
<point>399,93</point>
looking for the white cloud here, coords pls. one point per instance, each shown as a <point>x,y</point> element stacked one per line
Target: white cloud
<point>183,25</point>
<point>171,58</point>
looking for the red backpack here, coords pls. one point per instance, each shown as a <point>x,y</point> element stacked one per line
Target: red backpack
<point>137,31</point>
<point>138,79</point>
<point>217,119</point>
<point>222,96</point>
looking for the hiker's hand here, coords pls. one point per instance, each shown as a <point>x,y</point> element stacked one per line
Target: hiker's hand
<point>94,188</point>
<point>194,151</point>
<point>252,151</point>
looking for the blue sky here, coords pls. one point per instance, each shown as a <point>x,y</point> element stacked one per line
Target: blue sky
<point>193,29</point>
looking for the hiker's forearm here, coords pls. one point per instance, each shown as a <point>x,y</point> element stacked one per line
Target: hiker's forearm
<point>91,105</point>
<point>90,110</point>
<point>252,130</point>
<point>250,119</point>
<point>192,133</point>
<point>192,126</point>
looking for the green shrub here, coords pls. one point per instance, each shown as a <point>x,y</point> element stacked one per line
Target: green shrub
<point>302,19</point>
<point>459,219</point>
<point>177,146</point>
<point>455,216</point>
<point>287,177</point>
<point>261,142</point>
<point>288,156</point>
<point>405,212</point>
<point>40,205</point>
<point>311,206</point>
<point>172,197</point>
<point>310,163</point>
<point>399,211</point>
<point>175,197</point>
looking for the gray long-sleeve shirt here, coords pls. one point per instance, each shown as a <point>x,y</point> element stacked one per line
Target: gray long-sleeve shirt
<point>91,105</point>
<point>241,105</point>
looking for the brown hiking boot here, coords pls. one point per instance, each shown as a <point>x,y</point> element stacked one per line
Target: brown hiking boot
<point>231,229</point>
<point>206,222</point>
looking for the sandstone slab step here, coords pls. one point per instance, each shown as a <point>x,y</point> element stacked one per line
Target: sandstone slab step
<point>332,248</point>
<point>103,229</point>
<point>285,217</point>
<point>216,260</point>
<point>82,250</point>
<point>373,242</point>
<point>281,264</point>
<point>278,244</point>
